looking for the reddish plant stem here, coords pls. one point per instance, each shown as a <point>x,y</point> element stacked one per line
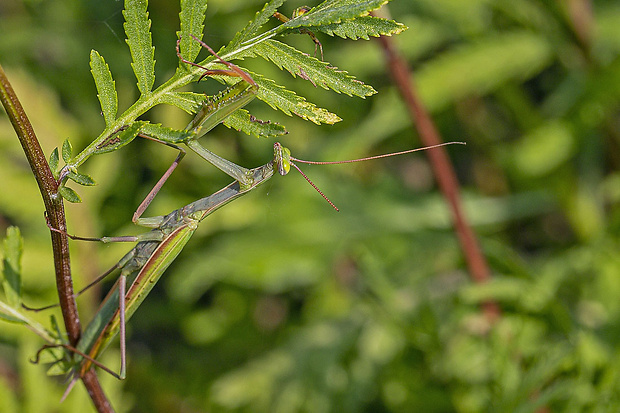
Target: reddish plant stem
<point>54,207</point>
<point>442,168</point>
<point>95,391</point>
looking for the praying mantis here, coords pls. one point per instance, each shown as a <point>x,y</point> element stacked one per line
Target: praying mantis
<point>142,266</point>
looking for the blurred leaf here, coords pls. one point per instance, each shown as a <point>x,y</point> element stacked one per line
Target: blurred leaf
<point>544,149</point>
<point>11,266</point>
<point>481,66</point>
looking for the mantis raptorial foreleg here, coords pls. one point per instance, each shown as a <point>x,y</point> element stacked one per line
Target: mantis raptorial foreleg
<point>212,112</point>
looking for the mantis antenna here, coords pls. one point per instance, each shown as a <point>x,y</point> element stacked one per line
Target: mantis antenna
<point>288,160</point>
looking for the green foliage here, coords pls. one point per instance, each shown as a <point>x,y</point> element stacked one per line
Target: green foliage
<point>246,43</point>
<point>192,17</point>
<point>242,121</point>
<point>311,69</point>
<point>362,27</point>
<point>106,91</point>
<point>11,266</point>
<point>289,102</point>
<point>138,29</point>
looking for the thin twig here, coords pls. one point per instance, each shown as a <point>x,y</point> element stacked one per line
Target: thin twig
<point>446,177</point>
<point>54,208</point>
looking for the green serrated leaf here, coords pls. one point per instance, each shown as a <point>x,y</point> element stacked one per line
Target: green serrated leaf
<point>11,272</point>
<point>363,27</point>
<point>288,102</point>
<point>192,17</point>
<point>333,11</point>
<point>255,24</point>
<point>81,179</point>
<point>242,121</point>
<point>312,69</point>
<point>156,130</point>
<point>119,138</point>
<point>70,195</point>
<point>106,91</point>
<point>67,150</point>
<point>138,29</point>
<point>53,161</point>
<point>187,101</point>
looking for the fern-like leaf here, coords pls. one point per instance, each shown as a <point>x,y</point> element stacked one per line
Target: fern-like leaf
<point>106,91</point>
<point>363,27</point>
<point>119,138</point>
<point>289,102</point>
<point>242,121</point>
<point>334,11</point>
<point>164,133</point>
<point>186,101</point>
<point>138,29</point>
<point>192,23</point>
<point>312,69</point>
<point>254,25</point>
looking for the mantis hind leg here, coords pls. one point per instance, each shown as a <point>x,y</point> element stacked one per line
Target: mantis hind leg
<point>121,312</point>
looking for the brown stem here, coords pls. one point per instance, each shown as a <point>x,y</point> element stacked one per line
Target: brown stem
<point>442,168</point>
<point>95,391</point>
<point>55,211</point>
<point>582,20</point>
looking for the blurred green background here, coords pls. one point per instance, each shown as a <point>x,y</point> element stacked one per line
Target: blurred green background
<point>278,303</point>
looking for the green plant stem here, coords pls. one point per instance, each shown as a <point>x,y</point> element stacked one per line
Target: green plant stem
<point>54,208</point>
<point>443,170</point>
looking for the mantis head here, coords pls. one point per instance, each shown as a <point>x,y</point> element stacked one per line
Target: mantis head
<point>281,158</point>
